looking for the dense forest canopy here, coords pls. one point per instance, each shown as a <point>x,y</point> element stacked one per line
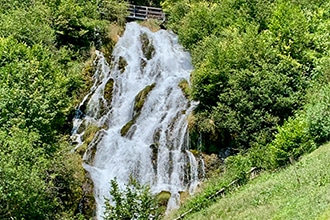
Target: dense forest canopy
<point>261,78</point>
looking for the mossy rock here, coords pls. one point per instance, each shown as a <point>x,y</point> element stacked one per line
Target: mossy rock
<point>151,24</point>
<point>92,146</point>
<point>184,195</point>
<point>110,39</point>
<point>89,67</point>
<point>82,127</point>
<point>103,108</point>
<point>87,204</point>
<point>185,87</point>
<point>148,48</point>
<point>195,152</point>
<point>89,133</point>
<point>212,164</point>
<point>163,198</point>
<point>122,63</point>
<point>140,98</point>
<point>126,128</point>
<point>107,49</point>
<point>154,156</point>
<point>139,102</point>
<point>156,135</point>
<point>108,89</point>
<point>82,149</point>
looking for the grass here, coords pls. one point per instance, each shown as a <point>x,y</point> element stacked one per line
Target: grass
<point>300,191</point>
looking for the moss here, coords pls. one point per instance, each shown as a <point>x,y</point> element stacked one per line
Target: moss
<point>147,46</point>
<point>156,135</point>
<point>191,122</point>
<point>139,102</point>
<point>140,98</point>
<point>108,90</point>
<point>152,24</point>
<point>122,63</point>
<point>103,108</point>
<point>109,41</point>
<point>195,152</point>
<point>162,199</point>
<point>87,73</point>
<point>185,87</point>
<point>107,51</point>
<point>126,128</point>
<point>89,133</point>
<point>81,128</point>
<point>212,164</point>
<point>87,201</point>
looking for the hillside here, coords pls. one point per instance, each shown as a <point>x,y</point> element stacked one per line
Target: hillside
<point>300,191</point>
<point>260,75</point>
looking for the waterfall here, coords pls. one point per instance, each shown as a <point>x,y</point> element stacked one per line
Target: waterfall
<point>141,115</point>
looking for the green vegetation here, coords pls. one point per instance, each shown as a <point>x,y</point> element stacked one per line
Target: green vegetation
<point>147,46</point>
<point>300,191</point>
<point>140,98</point>
<point>126,127</point>
<point>261,77</point>
<point>262,80</point>
<point>184,86</point>
<point>293,139</point>
<point>134,202</point>
<point>43,47</point>
<point>138,105</point>
<point>254,63</point>
<point>155,3</point>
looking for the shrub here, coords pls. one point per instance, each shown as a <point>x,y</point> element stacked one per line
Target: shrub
<point>318,116</point>
<point>291,141</point>
<point>134,202</point>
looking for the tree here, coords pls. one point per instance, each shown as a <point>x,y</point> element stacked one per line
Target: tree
<point>254,61</point>
<point>134,202</point>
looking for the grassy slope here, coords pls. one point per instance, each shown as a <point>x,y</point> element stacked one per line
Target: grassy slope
<point>301,191</point>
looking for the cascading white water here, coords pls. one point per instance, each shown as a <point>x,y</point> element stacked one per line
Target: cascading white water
<point>142,111</point>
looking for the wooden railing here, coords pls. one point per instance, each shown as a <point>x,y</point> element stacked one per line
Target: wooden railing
<point>137,12</point>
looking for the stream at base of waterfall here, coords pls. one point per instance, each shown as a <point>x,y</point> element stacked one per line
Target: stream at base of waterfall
<point>141,115</point>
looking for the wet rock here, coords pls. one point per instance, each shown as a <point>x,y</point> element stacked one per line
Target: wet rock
<point>185,87</point>
<point>108,89</point>
<point>126,128</point>
<point>148,48</point>
<point>212,164</point>
<point>87,205</point>
<point>154,155</point>
<point>162,199</point>
<point>140,98</point>
<point>122,63</point>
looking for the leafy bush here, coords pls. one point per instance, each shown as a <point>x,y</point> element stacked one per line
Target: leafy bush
<point>253,63</point>
<point>134,202</point>
<point>318,116</point>
<point>43,45</point>
<point>34,89</point>
<point>23,191</point>
<point>291,141</point>
<point>28,24</point>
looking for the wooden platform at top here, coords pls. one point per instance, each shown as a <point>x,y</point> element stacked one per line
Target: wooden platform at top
<point>138,12</point>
